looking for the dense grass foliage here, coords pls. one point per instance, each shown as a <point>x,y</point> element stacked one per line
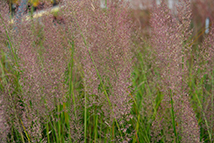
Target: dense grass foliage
<point>97,78</point>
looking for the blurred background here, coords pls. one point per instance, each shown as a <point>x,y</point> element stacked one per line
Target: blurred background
<point>140,11</point>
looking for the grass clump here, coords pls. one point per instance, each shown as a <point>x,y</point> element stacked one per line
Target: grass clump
<point>92,78</point>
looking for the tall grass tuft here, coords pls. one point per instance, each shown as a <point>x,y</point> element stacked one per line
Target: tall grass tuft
<point>171,47</point>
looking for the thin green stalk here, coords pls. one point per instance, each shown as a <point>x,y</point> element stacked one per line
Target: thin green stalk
<point>55,130</point>
<point>47,132</point>
<point>59,123</point>
<point>95,128</point>
<point>85,114</point>
<point>25,131</point>
<point>173,118</point>
<point>101,129</point>
<point>136,129</point>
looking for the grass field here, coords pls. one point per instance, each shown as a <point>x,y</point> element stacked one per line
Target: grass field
<point>98,76</point>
